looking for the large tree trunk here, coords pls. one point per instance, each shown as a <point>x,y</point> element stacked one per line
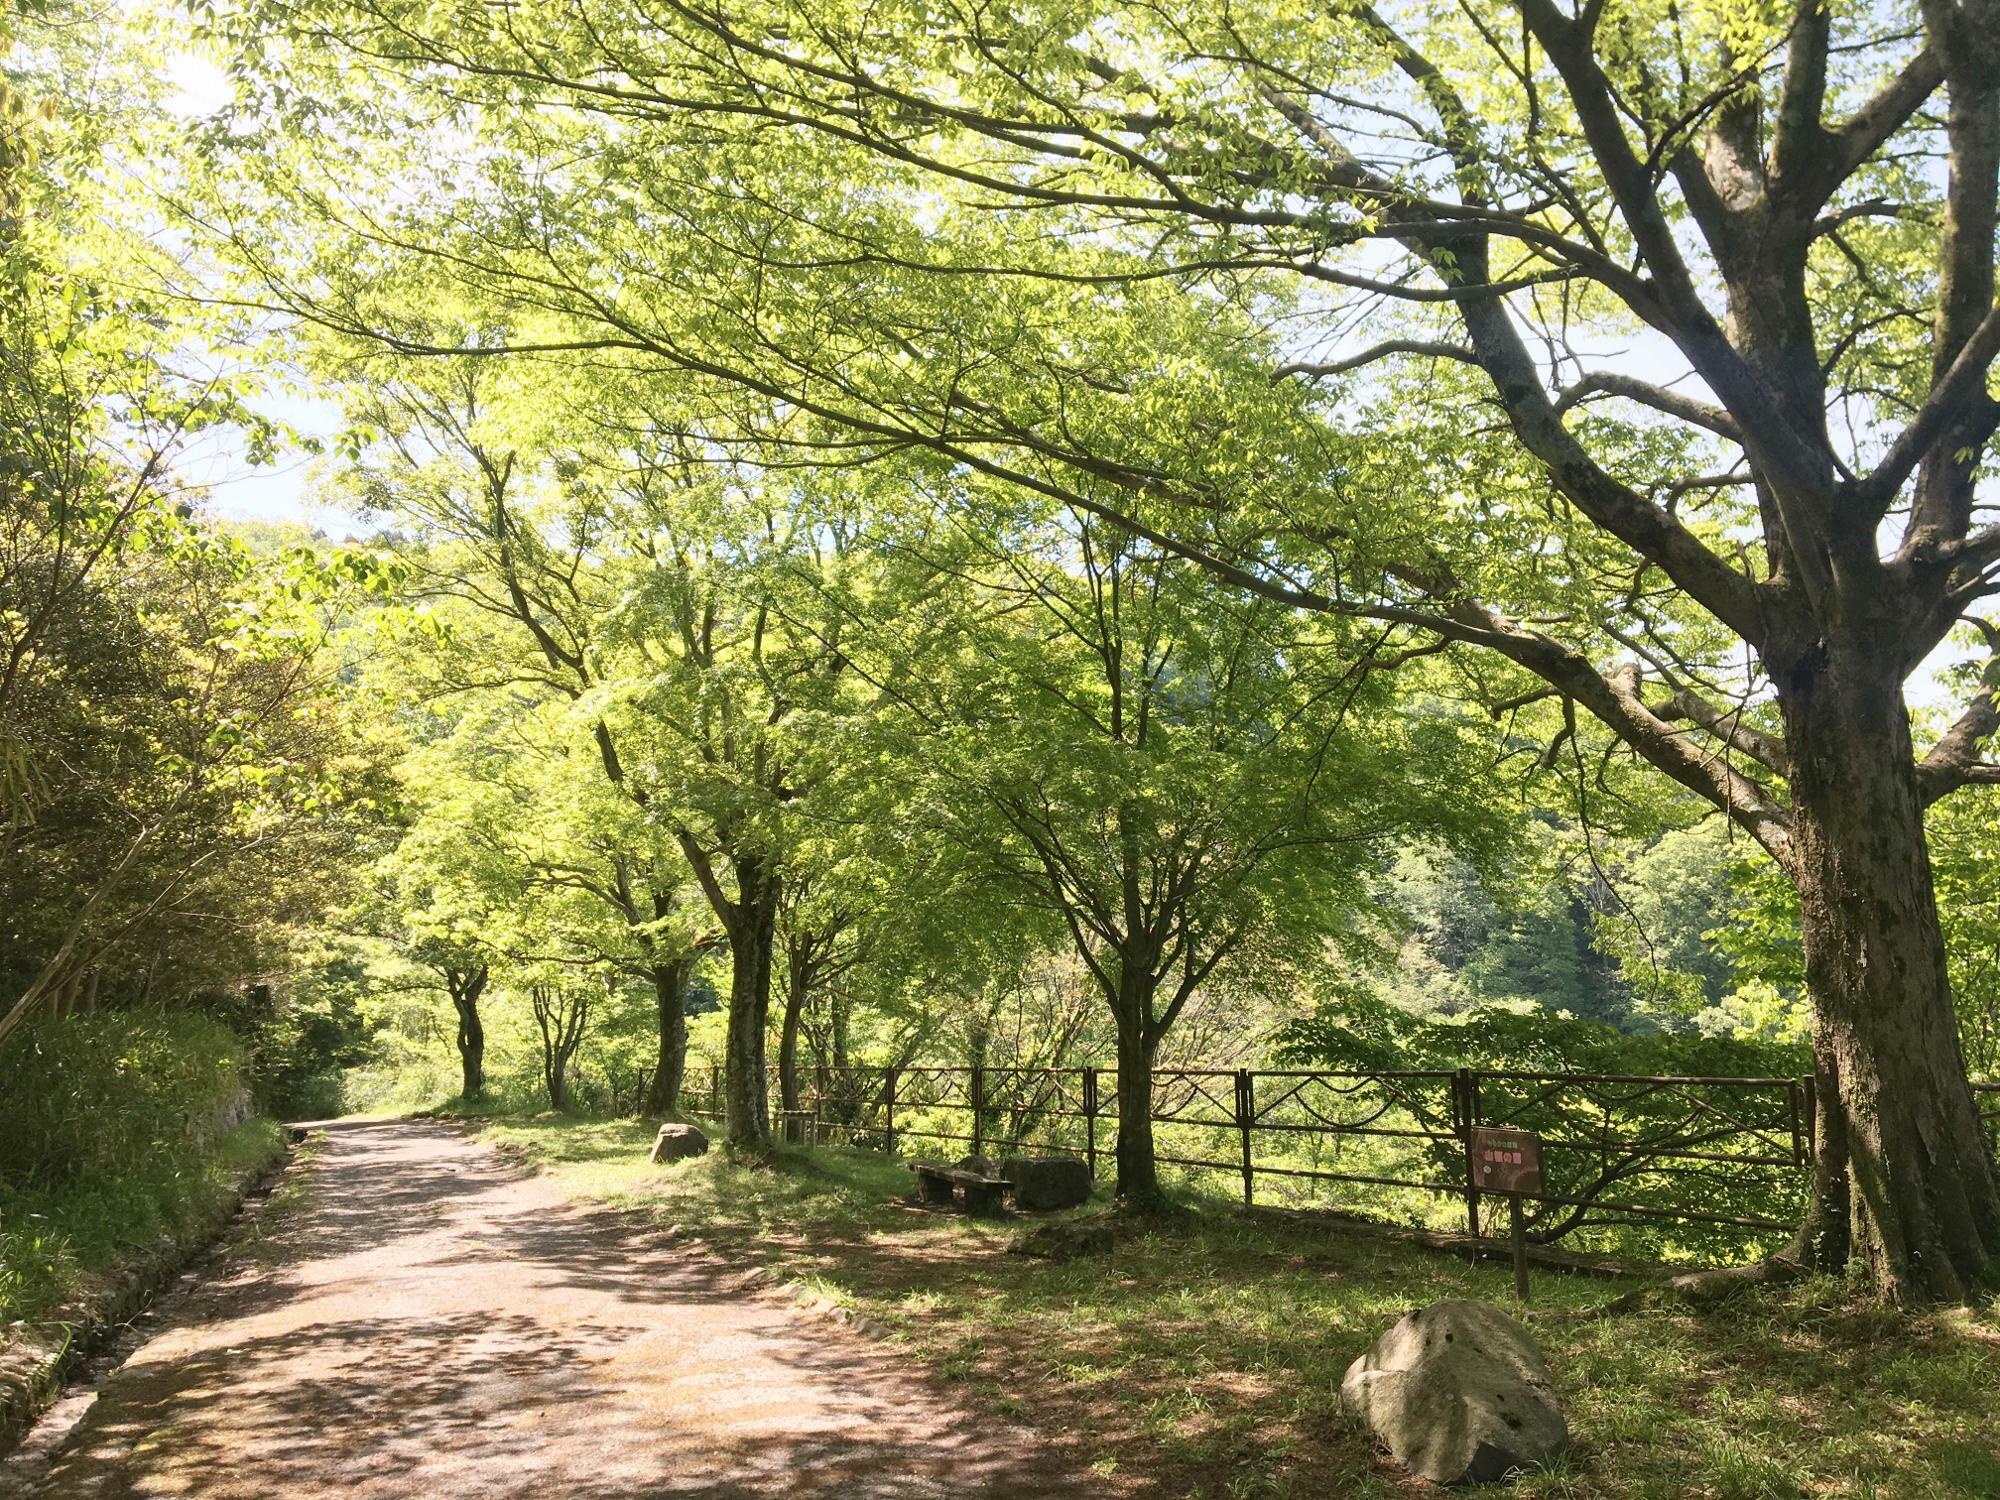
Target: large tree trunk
<point>1138,1169</point>
<point>465,989</point>
<point>1903,1184</point>
<point>471,1052</point>
<point>746,1103</point>
<point>670,983</point>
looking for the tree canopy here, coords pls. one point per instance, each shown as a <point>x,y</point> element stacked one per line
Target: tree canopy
<point>1167,511</point>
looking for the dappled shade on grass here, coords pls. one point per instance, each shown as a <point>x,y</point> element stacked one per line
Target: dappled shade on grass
<point>1204,1357</point>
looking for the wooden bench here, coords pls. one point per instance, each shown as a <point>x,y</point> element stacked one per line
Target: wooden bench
<point>799,1127</point>
<point>942,1185</point>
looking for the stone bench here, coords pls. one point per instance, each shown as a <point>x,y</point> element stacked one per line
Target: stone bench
<point>1042,1183</point>
<point>943,1184</point>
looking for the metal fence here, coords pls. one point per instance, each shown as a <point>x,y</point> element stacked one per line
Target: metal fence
<point>1731,1155</point>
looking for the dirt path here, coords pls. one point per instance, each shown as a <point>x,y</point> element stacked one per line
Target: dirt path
<point>431,1323</point>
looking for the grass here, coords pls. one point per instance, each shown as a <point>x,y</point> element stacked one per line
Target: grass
<point>53,1243</point>
<point>1204,1357</point>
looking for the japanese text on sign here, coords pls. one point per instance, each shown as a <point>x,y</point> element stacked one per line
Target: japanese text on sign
<point>1506,1161</point>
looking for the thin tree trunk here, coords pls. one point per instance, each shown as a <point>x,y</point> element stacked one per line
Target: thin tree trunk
<point>1138,1169</point>
<point>746,1104</point>
<point>798,971</point>
<point>837,1008</point>
<point>1903,1182</point>
<point>562,1019</point>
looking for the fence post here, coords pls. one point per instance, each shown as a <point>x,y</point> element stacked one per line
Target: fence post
<point>1090,1118</point>
<point>978,1110</point>
<point>1246,1114</point>
<point>1467,1085</point>
<point>889,1111</point>
<point>715,1089</point>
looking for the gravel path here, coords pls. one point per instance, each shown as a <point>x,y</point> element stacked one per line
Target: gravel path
<point>430,1322</point>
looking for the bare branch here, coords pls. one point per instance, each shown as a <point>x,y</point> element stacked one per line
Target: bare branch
<point>1954,760</point>
<point>1369,356</point>
<point>1700,413</point>
<point>1727,725</point>
<point>1851,144</point>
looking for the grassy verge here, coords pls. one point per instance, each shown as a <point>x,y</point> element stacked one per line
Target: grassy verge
<point>52,1244</point>
<point>1203,1358</point>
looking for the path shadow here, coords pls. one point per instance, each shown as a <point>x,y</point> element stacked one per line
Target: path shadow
<point>523,1400</point>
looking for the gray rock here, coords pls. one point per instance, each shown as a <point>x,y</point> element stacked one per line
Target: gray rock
<point>1067,1240</point>
<point>1459,1393</point>
<point>985,1166</point>
<point>677,1143</point>
<point>1047,1182</point>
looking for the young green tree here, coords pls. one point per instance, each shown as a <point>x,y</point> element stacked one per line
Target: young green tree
<point>820,940</point>
<point>441,897</point>
<point>562,1005</point>
<point>429,453</point>
<point>1193,784</point>
<point>599,559</point>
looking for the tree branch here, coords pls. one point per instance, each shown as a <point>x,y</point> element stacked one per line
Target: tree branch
<point>1700,413</point>
<point>1422,347</point>
<point>1865,132</point>
<point>1727,725</point>
<point>1954,760</point>
<point>1960,384</point>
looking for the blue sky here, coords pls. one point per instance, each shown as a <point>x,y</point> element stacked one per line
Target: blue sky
<point>236,488</point>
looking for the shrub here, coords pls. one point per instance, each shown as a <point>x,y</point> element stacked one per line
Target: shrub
<point>101,1096</point>
<point>1655,1166</point>
<point>52,1242</point>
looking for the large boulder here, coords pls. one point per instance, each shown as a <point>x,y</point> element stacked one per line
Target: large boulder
<point>677,1143</point>
<point>1459,1393</point>
<point>1047,1182</point>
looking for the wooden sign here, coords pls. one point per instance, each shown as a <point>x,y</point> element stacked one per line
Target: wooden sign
<point>1506,1161</point>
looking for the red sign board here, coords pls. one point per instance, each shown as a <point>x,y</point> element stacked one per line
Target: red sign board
<point>1506,1161</point>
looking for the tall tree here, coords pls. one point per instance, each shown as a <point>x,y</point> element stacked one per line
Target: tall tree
<point>1731,548</point>
<point>619,570</point>
<point>819,938</point>
<point>168,747</point>
<point>428,452</point>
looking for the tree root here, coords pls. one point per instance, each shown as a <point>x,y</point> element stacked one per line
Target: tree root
<point>1699,1289</point>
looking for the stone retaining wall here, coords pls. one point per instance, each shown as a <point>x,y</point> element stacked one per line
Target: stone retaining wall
<point>34,1357</point>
